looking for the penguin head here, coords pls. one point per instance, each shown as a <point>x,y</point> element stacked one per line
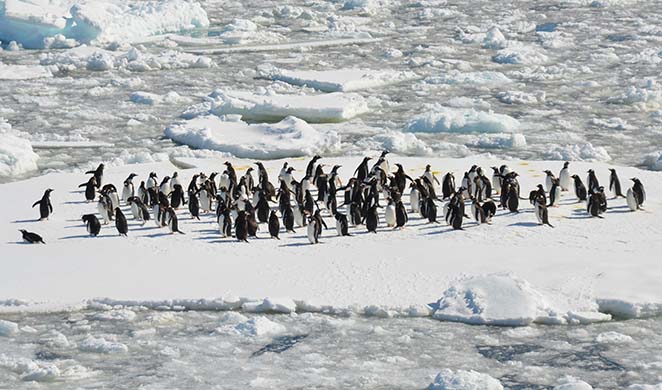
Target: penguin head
<point>548,172</point>
<point>22,231</point>
<point>541,188</point>
<point>49,190</point>
<point>427,167</point>
<point>565,164</point>
<point>290,169</point>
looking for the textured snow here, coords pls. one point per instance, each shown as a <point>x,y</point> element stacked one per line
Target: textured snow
<point>519,97</point>
<point>520,54</point>
<point>290,137</point>
<point>31,23</point>
<point>464,380</point>
<point>30,370</point>
<point>16,154</point>
<point>172,97</point>
<point>457,120</point>
<point>341,80</point>
<point>500,141</point>
<point>613,338</point>
<point>332,107</point>
<point>101,345</point>
<point>578,152</point>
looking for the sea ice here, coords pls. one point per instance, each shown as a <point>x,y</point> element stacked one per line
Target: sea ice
<point>464,380</point>
<point>456,120</point>
<point>8,328</point>
<point>259,326</point>
<point>16,154</point>
<point>101,345</point>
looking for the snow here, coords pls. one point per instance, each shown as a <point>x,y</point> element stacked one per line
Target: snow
<point>270,106</point>
<point>488,78</point>
<point>500,141</point>
<point>30,370</point>
<point>8,328</point>
<point>570,383</point>
<point>578,152</point>
<point>464,380</point>
<point>258,327</point>
<point>653,161</point>
<point>458,120</point>
<point>148,98</point>
<point>23,72</point>
<point>519,97</point>
<point>32,23</point>
<point>101,345</point>
<point>613,338</point>
<point>271,305</point>
<point>520,54</point>
<point>16,154</point>
<point>329,277</point>
<point>341,80</point>
<point>289,137</point>
<point>494,39</point>
<point>647,97</point>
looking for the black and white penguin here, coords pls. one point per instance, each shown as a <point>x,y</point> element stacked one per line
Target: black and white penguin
<point>98,174</point>
<point>288,218</point>
<point>389,213</point>
<point>90,189</point>
<point>538,195</point>
<point>342,225</point>
<point>580,190</point>
<point>174,179</point>
<point>105,209</point>
<point>363,170</point>
<point>564,177</point>
<point>45,206</point>
<point>431,210</point>
<point>299,215</point>
<point>542,214</point>
<point>555,193</point>
<point>401,217</point>
<point>313,231</point>
<point>92,224</point>
<point>456,212</point>
<point>372,219</point>
<point>311,167</point>
<point>262,207</point>
<point>241,226</point>
<point>320,222</point>
<point>205,198</point>
<point>173,223</point>
<point>477,211</point>
<point>549,180</point>
<point>225,223</point>
<point>164,187</point>
<point>31,238</point>
<point>128,189</point>
<point>177,196</point>
<point>448,185</point>
<point>355,214</point>
<point>489,210</point>
<point>120,222</point>
<point>497,180</point>
<point>139,211</point>
<point>274,225</point>
<point>151,181</point>
<point>639,191</point>
<point>615,184</point>
<point>512,199</point>
<point>597,203</point>
<point>251,221</point>
<point>430,175</point>
<point>415,198</point>
<point>111,191</point>
<point>468,184</point>
<point>194,205</point>
<point>593,183</point>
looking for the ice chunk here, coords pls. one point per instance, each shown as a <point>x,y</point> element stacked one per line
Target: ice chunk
<point>23,72</point>
<point>653,161</point>
<point>16,154</point>
<point>259,326</point>
<point>101,345</point>
<point>271,305</point>
<point>172,97</point>
<point>489,78</point>
<point>30,370</point>
<point>613,338</point>
<point>341,80</point>
<point>645,387</point>
<point>519,97</point>
<point>31,23</point>
<point>332,107</point>
<point>570,383</point>
<point>578,152</point>
<point>8,328</point>
<point>520,54</point>
<point>500,141</point>
<point>646,97</point>
<point>456,120</point>
<point>464,380</point>
<point>494,39</point>
<point>291,137</point>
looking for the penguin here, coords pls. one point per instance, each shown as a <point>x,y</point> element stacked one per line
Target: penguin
<point>401,217</point>
<point>274,225</point>
<point>90,189</point>
<point>342,226</point>
<point>120,222</point>
<point>194,206</point>
<point>362,171</point>
<point>177,196</point>
<point>389,214</point>
<point>299,215</point>
<point>549,180</point>
<point>92,224</point>
<point>152,197</point>
<point>225,223</point>
<point>513,200</point>
<point>597,203</point>
<point>241,226</point>
<point>138,209</point>
<point>542,214</point>
<point>467,184</point>
<point>251,223</point>
<point>45,206</point>
<point>157,215</point>
<point>205,198</point>
<point>639,191</point>
<point>288,219</point>
<point>151,180</point>
<point>98,174</point>
<point>430,175</point>
<point>456,213</point>
<point>632,200</point>
<point>472,173</point>
<point>555,193</point>
<point>173,223</point>
<point>496,180</point>
<point>355,214</point>
<point>104,209</point>
<point>111,191</point>
<point>164,187</point>
<point>288,178</point>
<point>593,183</point>
<point>320,222</point>
<point>414,199</point>
<point>128,190</point>
<point>283,171</point>
<point>312,233</point>
<point>615,184</point>
<point>174,180</point>
<point>142,193</point>
<point>262,208</point>
<point>31,238</point>
<point>538,195</point>
<point>372,219</point>
<point>489,210</point>
<point>431,210</point>
<point>580,190</point>
<point>477,211</point>
<point>564,177</point>
<point>448,185</point>
<point>310,168</point>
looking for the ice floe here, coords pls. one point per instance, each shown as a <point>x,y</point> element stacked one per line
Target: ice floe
<point>259,326</point>
<point>519,97</point>
<point>520,54</point>
<point>488,78</point>
<point>464,380</point>
<point>8,328</point>
<point>578,152</point>
<point>456,120</point>
<point>290,137</point>
<point>23,72</point>
<point>101,345</point>
<point>16,154</point>
<point>570,383</point>
<point>148,98</point>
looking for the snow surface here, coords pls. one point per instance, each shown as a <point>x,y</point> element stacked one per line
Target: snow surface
<point>560,275</point>
<point>289,137</point>
<point>340,80</point>
<point>16,154</point>
<point>33,22</point>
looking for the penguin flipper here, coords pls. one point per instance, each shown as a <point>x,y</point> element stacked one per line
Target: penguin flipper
<point>36,203</point>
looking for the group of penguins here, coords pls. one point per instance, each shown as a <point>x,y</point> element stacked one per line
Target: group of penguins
<point>241,203</point>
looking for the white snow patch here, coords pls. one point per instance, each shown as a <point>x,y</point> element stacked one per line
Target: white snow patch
<point>172,97</point>
<point>578,152</point>
<point>16,154</point>
<point>520,54</point>
<point>464,380</point>
<point>101,345</point>
<point>500,141</point>
<point>271,305</point>
<point>291,137</point>
<point>653,161</point>
<point>613,338</point>
<point>259,326</point>
<point>454,120</point>
<point>612,123</point>
<point>645,98</point>
<point>494,39</point>
<point>30,370</point>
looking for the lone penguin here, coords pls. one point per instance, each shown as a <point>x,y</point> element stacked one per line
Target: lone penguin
<point>31,238</point>
<point>45,206</point>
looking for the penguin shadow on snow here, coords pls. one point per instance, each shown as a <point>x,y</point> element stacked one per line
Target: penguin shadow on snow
<point>26,220</point>
<point>294,244</point>
<point>524,224</point>
<point>77,202</point>
<point>83,236</point>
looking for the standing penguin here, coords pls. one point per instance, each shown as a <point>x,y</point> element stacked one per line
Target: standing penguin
<point>639,192</point>
<point>120,222</point>
<point>194,205</point>
<point>415,198</point>
<point>313,231</point>
<point>431,210</point>
<point>288,218</point>
<point>593,183</point>
<point>363,170</point>
<point>401,217</point>
<point>372,219</point>
<point>45,206</point>
<point>241,226</point>
<point>92,224</point>
<point>342,226</point>
<point>549,180</point>
<point>512,199</point>
<point>138,209</point>
<point>489,210</point>
<point>104,208</point>
<point>496,180</point>
<point>448,185</point>
<point>632,200</point>
<point>90,189</point>
<point>580,190</point>
<point>177,196</point>
<point>128,189</point>
<point>151,181</point>
<point>225,223</point>
<point>615,184</point>
<point>564,177</point>
<point>555,193</point>
<point>477,211</point>
<point>173,223</point>
<point>542,214</point>
<point>389,214</point>
<point>98,174</point>
<point>262,207</point>
<point>164,187</point>
<point>597,203</point>
<point>274,225</point>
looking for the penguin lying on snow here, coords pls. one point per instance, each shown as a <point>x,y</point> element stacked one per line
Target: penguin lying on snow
<point>31,238</point>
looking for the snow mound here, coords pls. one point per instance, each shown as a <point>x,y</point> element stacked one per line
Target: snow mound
<point>270,106</point>
<point>458,120</point>
<point>259,326</point>
<point>570,383</point>
<point>653,161</point>
<point>401,143</point>
<point>500,141</point>
<point>464,380</point>
<point>291,137</point>
<point>455,77</point>
<point>271,305</point>
<point>504,299</point>
<point>645,98</point>
<point>96,59</point>
<point>101,345</point>
<point>521,55</point>
<point>16,154</point>
<point>494,39</point>
<point>8,328</point>
<point>583,152</point>
<point>30,370</point>
<point>519,97</point>
<point>32,22</point>
<point>613,338</point>
<point>341,80</point>
<point>23,72</point>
